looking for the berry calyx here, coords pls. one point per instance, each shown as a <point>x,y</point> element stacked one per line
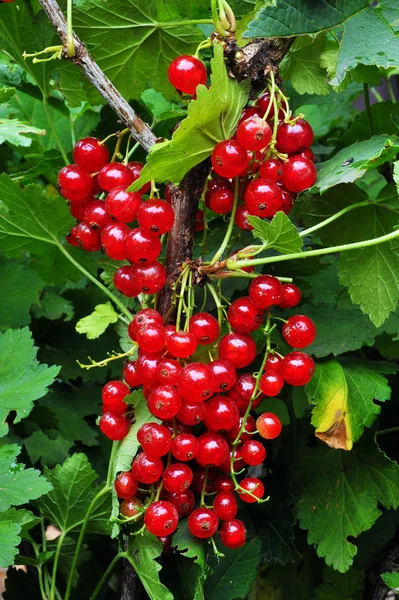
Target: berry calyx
<point>164,402</point>
<point>203,522</point>
<point>263,198</point>
<point>195,382</point>
<point>177,477</point>
<point>254,133</point>
<point>205,328</point>
<point>229,159</point>
<point>224,375</point>
<point>156,216</point>
<point>185,447</point>
<point>161,518</point>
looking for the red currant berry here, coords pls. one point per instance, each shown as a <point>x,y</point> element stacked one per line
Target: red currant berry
<point>221,201</point>
<point>186,72</point>
<point>183,502</point>
<point>142,246</point>
<point>90,154</point>
<point>241,218</point>
<point>177,428</point>
<point>75,182</point>
<point>144,317</point>
<point>124,282</point>
<point>71,237</point>
<point>89,239</point>
<point>125,485</point>
<point>238,463</point>
<point>151,338</point>
<point>225,506</point>
<point>243,391</point>
<point>233,534</point>
<point>254,133</point>
<point>191,413</point>
<point>199,478</point>
<point>299,331</point>
<point>271,383</point>
<point>154,439</point>
<point>224,484</point>
<point>291,138</point>
<point>299,174</point>
<point>298,368</point>
<point>224,374</point>
<point>156,216</point>
<point>203,523</point>
<point>147,368</point>
<point>272,168</point>
<point>252,485</point>
<point>288,200</point>
<point>181,344</point>
<point>251,111</point>
<point>274,363</point>
<point>113,240</point>
<point>263,105</point>
<point>147,469</point>
<point>164,402</point>
<point>123,205</point>
<point>131,507</point>
<point>253,453</point>
<point>196,382</point>
<point>307,153</point>
<point>114,175</point>
<point>243,315</point>
<point>78,209</point>
<point>185,447</point>
<point>205,328</point>
<point>221,414</point>
<point>168,371</point>
<point>263,198</point>
<point>269,426</point>
<point>199,220</point>
<point>212,450</point>
<point>161,518</point>
<point>216,185</point>
<point>229,159</point>
<point>113,395</point>
<point>237,348</point>
<point>114,426</point>
<point>95,215</point>
<point>291,296</point>
<point>130,374</point>
<point>136,168</point>
<point>250,427</point>
<point>150,277</point>
<point>265,291</point>
<point>177,477</point>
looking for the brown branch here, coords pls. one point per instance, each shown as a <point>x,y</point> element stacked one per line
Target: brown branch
<point>139,130</point>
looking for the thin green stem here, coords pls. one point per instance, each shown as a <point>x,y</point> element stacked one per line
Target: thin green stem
<point>183,22</point>
<point>390,89</point>
<point>54,130</point>
<point>366,95</point>
<point>70,40</point>
<point>55,565</point>
<point>377,95</point>
<point>106,574</point>
<point>387,431</point>
<point>218,303</point>
<point>181,302</point>
<point>203,490</point>
<point>229,231</point>
<point>41,584</point>
<point>215,19</point>
<point>334,217</point>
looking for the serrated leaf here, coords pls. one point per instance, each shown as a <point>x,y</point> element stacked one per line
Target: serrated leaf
<point>343,394</point>
<point>17,133</point>
<point>24,518</point>
<point>161,108</point>
<point>212,117</point>
<point>391,579</point>
<point>9,540</point>
<point>142,553</point>
<point>53,307</point>
<point>188,545</point>
<point>18,485</point>
<point>95,324</point>
<point>49,450</point>
<point>339,493</point>
<point>302,66</point>
<point>382,114</point>
<point>67,554</point>
<point>192,579</point>
<point>280,233</point>
<point>22,378</point>
<point>20,287</point>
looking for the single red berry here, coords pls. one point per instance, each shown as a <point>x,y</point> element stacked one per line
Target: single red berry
<point>125,485</point>
<point>224,374</point>
<point>130,374</point>
<point>298,368</point>
<point>161,518</point>
<point>271,383</point>
<point>264,102</point>
<point>131,507</point>
<point>168,371</point>
<point>89,239</point>
<point>123,205</point>
<point>243,315</point>
<point>235,457</point>
<point>250,427</point>
<point>243,390</point>
<point>71,237</point>
<point>154,439</point>
<point>78,209</point>
<point>251,111</point>
<point>113,240</point>
<point>291,296</point>
<point>90,154</point>
<point>263,198</point>
<point>274,363</point>
<point>241,218</point>
<point>237,348</point>
<point>199,220</point>
<point>156,216</point>
<point>183,502</point>
<point>254,133</point>
<point>191,413</point>
<point>216,185</point>
<point>288,200</point>
<point>205,328</point>
<point>124,282</point>
<point>114,426</point>
<point>253,453</point>
<point>224,484</point>
<point>225,506</point>
<point>252,485</point>
<point>95,215</point>
<point>271,168</point>
<point>136,168</point>
<point>142,246</point>
<point>177,477</point>
<point>113,395</point>
<point>221,201</point>
<point>195,382</point>
<point>221,414</point>
<point>299,174</point>
<point>181,344</point>
<point>186,72</point>
<point>233,534</point>
<point>212,451</point>
<point>299,331</point>
<point>151,338</point>
<point>265,291</point>
<point>229,159</point>
<point>199,478</point>
<point>147,368</point>
<point>146,468</point>
<point>203,522</point>
<point>185,447</point>
<point>307,153</point>
<point>269,426</point>
<point>114,175</point>
<point>295,137</point>
<point>164,402</point>
<point>150,277</point>
<point>75,182</point>
<point>143,318</point>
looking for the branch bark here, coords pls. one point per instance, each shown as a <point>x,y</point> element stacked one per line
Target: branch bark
<point>140,131</point>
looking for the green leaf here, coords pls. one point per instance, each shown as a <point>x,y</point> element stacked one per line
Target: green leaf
<point>296,17</point>
<point>302,66</point>
<point>18,485</point>
<point>391,579</point>
<point>188,545</point>
<point>73,491</point>
<point>339,493</point>
<point>23,379</point>
<point>6,93</point>
<point>95,324</point>
<point>212,117</point>
<point>24,518</point>
<point>14,132</point>
<point>343,394</point>
<point>142,553</point>
<point>396,173</point>
<point>19,289</point>
<point>341,586</point>
<point>381,114</point>
<point>161,108</point>
<point>351,163</point>
<point>9,540</point>
<point>280,233</point>
<point>50,451</point>
<point>53,307</point>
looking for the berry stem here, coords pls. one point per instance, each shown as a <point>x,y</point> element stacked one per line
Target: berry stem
<point>203,490</point>
<point>334,217</point>
<point>106,574</point>
<point>105,361</point>
<point>229,231</point>
<point>218,303</point>
<point>182,291</point>
<point>55,564</point>
<point>70,50</point>
<point>387,431</point>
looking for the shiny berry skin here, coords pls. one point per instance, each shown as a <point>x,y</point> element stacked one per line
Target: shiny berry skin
<point>75,182</point>
<point>90,154</point>
<point>299,174</point>
<point>177,477</point>
<point>271,384</point>
<point>181,344</point>
<point>195,382</point>
<point>254,133</point>
<point>156,216</point>
<point>241,218</point>
<point>114,175</point>
<point>151,338</point>
<point>221,202</point>
<point>263,198</point>
<point>288,201</point>
<point>136,168</point>
<point>130,374</point>
<point>185,447</point>
<point>224,484</point>
<point>144,317</point>
<point>95,215</point>
<point>142,246</point>
<point>114,426</point>
<point>273,363</point>
<point>251,111</point>
<point>216,185</point>
<point>205,328</point>
<point>265,291</point>
<point>269,426</point>
<point>238,462</point>
<point>88,239</point>
<point>113,240</point>
<point>299,331</point>
<point>295,137</point>
<point>272,168</point>
<point>186,72</point>
<point>203,523</point>
<point>250,427</point>
<point>164,402</point>
<point>168,371</point>
<point>237,348</point>
<point>229,159</point>
<point>191,413</point>
<point>233,534</point>
<point>124,282</point>
<point>154,439</point>
<point>78,209</point>
<point>161,518</point>
<point>307,153</point>
<point>147,368</point>
<point>253,453</point>
<point>150,277</point>
<point>224,374</point>
<point>183,502</point>
<point>125,485</point>
<point>131,507</point>
<point>221,414</point>
<point>263,105</point>
<point>146,468</point>
<point>199,220</point>
<point>212,451</point>
<point>113,394</point>
<point>252,485</point>
<point>123,205</point>
<point>71,237</point>
<point>298,368</point>
<point>291,296</point>
<point>243,390</point>
<point>199,477</point>
<point>243,315</point>
<point>225,506</point>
